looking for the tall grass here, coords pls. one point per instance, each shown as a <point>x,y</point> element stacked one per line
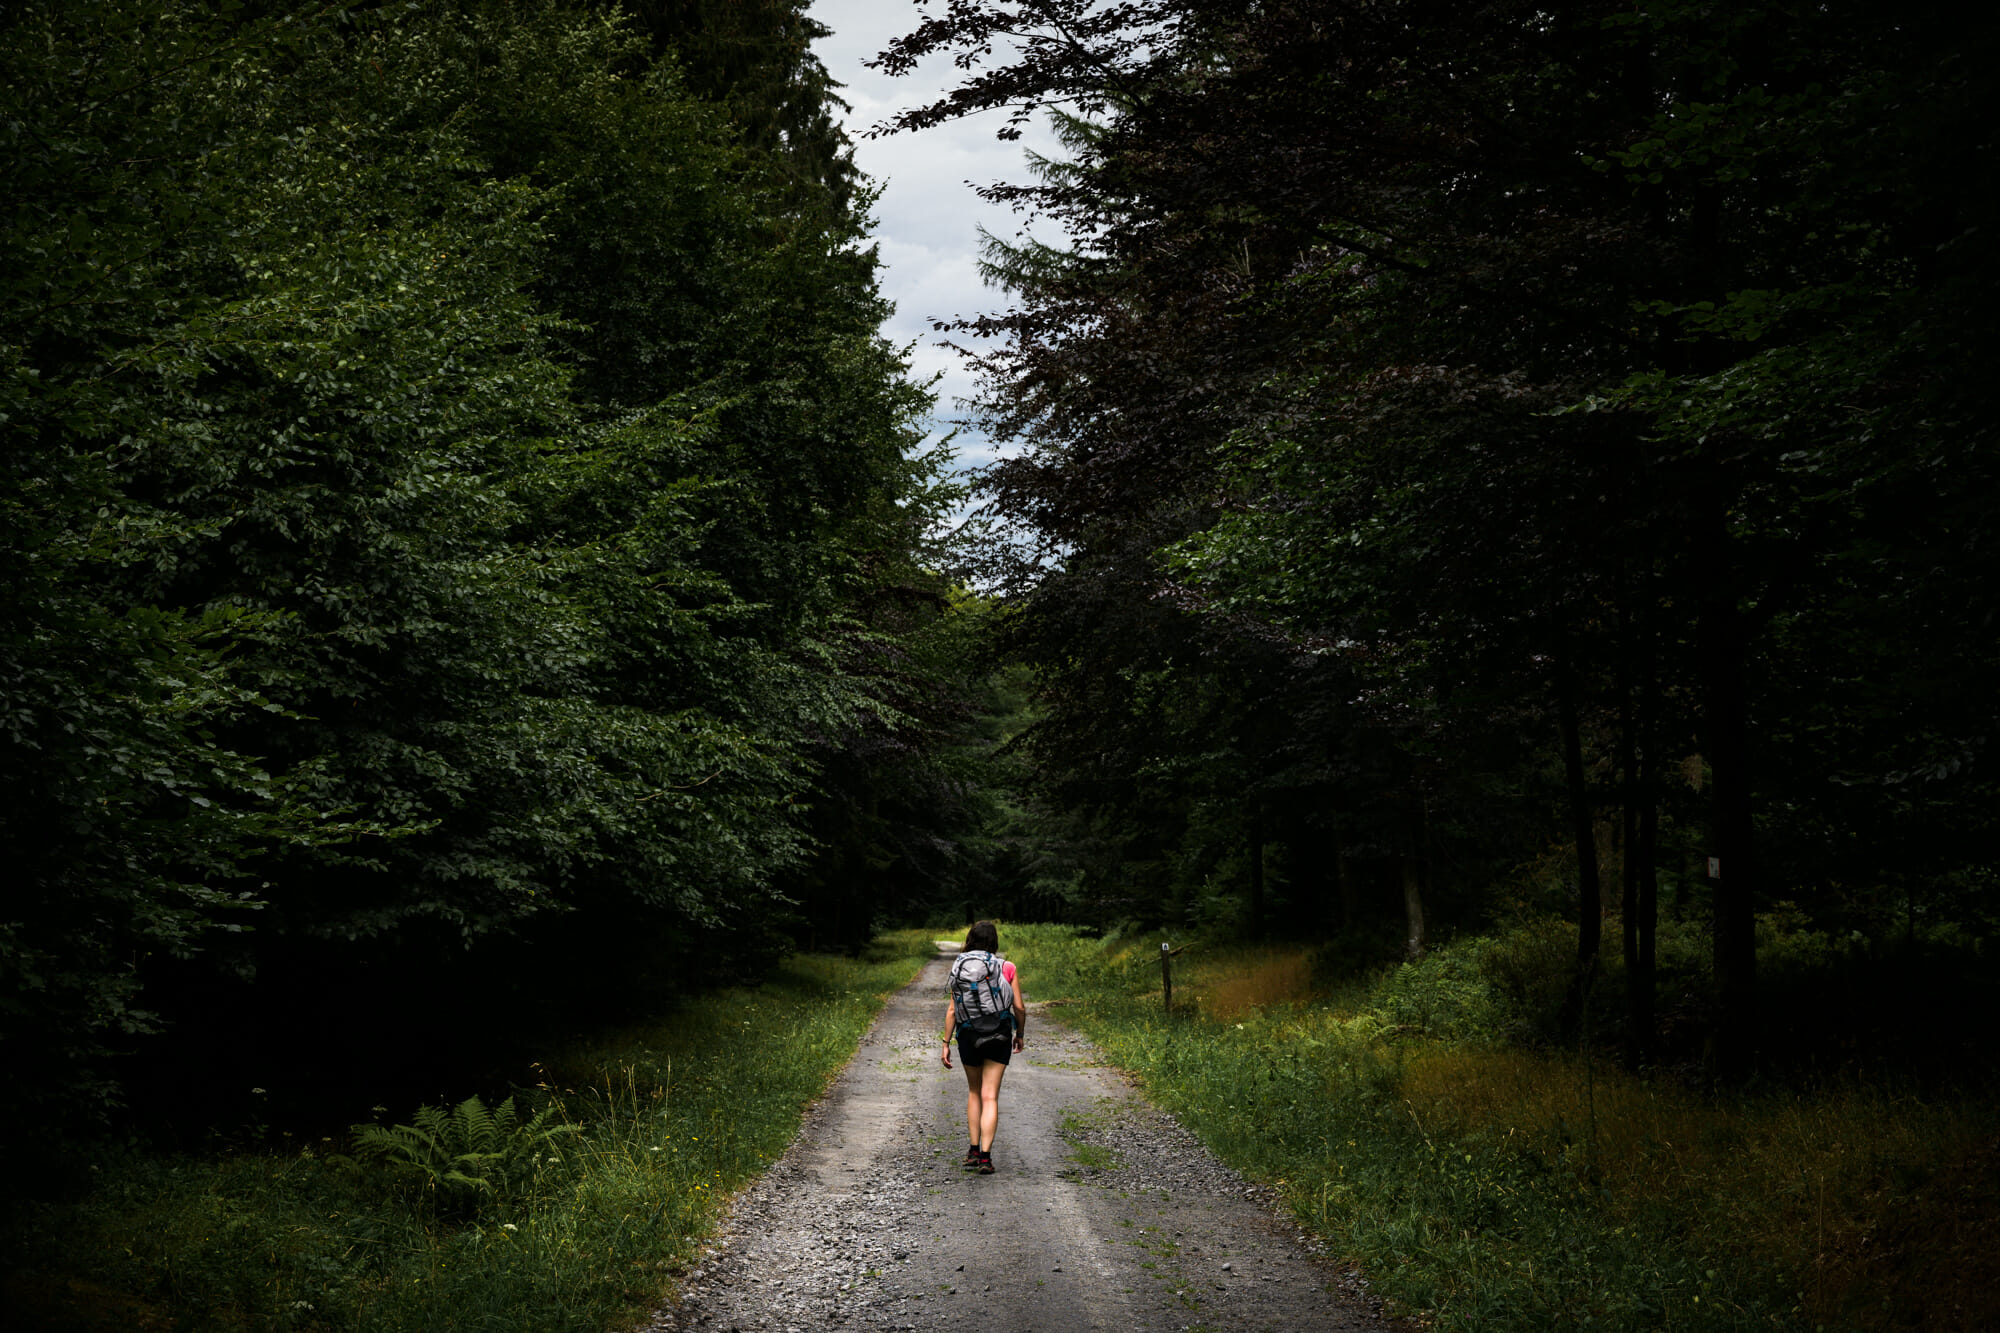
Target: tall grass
<point>1495,1188</point>
<point>669,1118</point>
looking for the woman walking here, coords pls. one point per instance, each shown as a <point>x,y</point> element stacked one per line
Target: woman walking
<point>985,1009</point>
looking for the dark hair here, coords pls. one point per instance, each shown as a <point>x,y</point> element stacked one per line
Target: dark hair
<point>983,935</point>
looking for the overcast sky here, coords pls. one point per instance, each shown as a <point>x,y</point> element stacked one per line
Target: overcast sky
<point>928,217</point>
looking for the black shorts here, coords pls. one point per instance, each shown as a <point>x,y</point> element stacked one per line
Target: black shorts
<point>999,1048</point>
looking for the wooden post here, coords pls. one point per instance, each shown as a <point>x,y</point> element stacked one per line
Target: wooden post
<point>1167,974</point>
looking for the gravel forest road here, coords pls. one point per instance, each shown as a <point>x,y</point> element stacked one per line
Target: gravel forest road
<point>1104,1213</point>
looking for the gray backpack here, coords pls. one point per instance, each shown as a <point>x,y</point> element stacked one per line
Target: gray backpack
<point>981,998</point>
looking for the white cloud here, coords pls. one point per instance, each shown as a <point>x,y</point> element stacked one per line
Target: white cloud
<point>928,218</point>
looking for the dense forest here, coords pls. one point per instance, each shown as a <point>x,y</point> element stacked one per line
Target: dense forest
<point>467,543</point>
<point>472,560</point>
<point>1492,546</point>
<point>1478,460</point>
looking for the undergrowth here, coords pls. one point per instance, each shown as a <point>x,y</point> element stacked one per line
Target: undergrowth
<point>1488,1185</point>
<point>567,1206</point>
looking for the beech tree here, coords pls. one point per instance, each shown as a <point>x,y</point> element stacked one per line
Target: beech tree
<point>450,466</point>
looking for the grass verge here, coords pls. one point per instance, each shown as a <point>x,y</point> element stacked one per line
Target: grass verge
<point>1486,1187</point>
<point>475,1223</point>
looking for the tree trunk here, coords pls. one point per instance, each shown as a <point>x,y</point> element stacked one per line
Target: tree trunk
<point>1644,1020</point>
<point>1345,874</point>
<point>1413,909</point>
<point>1256,879</point>
<point>1640,900</point>
<point>1413,887</point>
<point>1583,829</point>
<point>1628,811</point>
<point>1724,645</point>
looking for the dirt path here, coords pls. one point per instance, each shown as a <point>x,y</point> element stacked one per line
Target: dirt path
<point>1104,1213</point>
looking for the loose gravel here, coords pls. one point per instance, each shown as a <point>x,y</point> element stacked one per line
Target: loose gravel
<point>1105,1213</point>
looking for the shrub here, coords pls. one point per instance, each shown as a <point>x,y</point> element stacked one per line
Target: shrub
<point>465,1155</point>
<point>1528,965</point>
<point>1447,996</point>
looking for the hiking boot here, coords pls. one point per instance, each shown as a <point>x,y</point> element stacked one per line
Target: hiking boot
<point>986,1164</point>
<point>972,1157</point>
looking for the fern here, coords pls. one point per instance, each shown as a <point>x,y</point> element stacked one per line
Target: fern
<point>464,1155</point>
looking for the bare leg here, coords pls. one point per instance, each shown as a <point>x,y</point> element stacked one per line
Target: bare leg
<point>972,1099</point>
<point>989,1102</point>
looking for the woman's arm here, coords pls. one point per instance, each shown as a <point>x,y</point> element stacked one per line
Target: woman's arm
<point>1020,1014</point>
<point>950,1022</point>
